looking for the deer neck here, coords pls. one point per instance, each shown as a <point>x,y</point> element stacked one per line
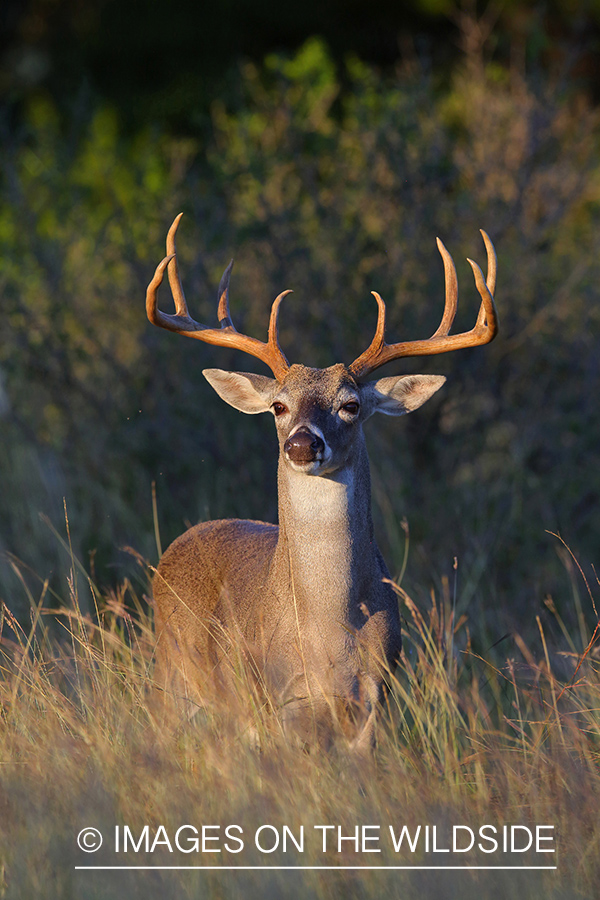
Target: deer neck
<point>326,547</point>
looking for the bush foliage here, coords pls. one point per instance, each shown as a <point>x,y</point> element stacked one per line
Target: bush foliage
<point>333,189</point>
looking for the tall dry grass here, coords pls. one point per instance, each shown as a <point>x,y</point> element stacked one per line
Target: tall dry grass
<point>465,739</point>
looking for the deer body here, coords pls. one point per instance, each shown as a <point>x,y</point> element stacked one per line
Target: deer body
<point>305,604</point>
<point>302,611</point>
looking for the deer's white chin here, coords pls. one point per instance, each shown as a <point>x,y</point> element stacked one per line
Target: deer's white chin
<point>317,467</point>
<point>308,468</point>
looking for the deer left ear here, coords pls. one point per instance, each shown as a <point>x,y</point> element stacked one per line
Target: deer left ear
<point>402,393</point>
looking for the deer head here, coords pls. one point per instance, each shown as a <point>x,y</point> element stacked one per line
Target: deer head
<point>318,412</point>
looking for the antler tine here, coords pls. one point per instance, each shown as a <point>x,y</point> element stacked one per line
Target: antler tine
<point>152,311</point>
<point>487,316</point>
<point>379,336</point>
<point>225,336</point>
<point>273,338</point>
<point>485,329</point>
<point>364,363</point>
<point>492,262</point>
<point>487,309</point>
<point>451,304</point>
<point>173,270</point>
<point>223,314</point>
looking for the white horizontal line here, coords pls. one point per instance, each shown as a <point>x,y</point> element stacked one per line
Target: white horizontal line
<point>333,868</point>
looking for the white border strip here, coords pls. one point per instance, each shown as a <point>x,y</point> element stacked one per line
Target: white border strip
<point>329,868</point>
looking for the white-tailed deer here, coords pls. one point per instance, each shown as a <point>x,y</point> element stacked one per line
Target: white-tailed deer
<point>304,607</point>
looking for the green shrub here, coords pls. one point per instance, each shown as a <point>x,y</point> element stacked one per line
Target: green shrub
<point>332,192</point>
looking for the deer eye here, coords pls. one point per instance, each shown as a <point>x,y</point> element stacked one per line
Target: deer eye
<point>279,408</point>
<point>351,407</point>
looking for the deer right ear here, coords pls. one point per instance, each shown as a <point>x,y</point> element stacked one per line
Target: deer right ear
<point>244,391</point>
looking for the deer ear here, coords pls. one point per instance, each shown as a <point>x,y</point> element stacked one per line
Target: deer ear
<point>244,391</point>
<point>402,393</point>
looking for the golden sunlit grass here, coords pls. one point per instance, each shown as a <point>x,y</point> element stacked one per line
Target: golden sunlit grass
<point>464,741</point>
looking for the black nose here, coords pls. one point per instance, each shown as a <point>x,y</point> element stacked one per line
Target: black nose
<point>303,447</point>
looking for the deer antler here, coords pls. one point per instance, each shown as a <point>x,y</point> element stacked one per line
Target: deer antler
<point>485,329</point>
<point>225,336</point>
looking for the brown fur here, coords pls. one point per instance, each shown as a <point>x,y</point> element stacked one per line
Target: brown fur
<point>301,612</point>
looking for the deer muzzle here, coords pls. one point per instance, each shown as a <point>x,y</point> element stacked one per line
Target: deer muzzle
<point>304,447</point>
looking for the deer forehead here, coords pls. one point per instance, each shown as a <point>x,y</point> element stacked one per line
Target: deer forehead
<point>322,388</point>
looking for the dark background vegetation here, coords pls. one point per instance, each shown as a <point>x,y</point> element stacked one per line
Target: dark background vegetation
<point>324,145</point>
